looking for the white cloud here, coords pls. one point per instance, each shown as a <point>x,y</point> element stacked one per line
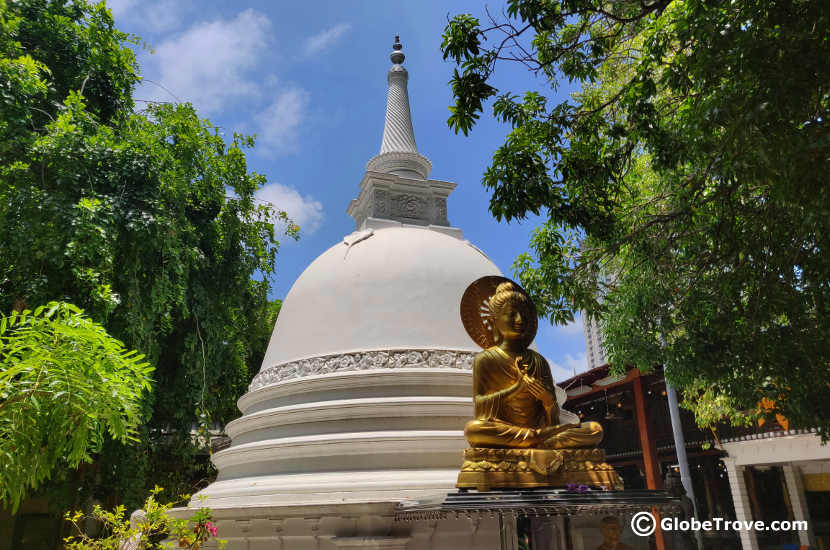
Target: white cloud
<point>151,15</point>
<point>209,63</point>
<point>570,364</point>
<point>120,7</point>
<point>217,66</point>
<point>270,81</point>
<point>304,211</point>
<point>571,329</point>
<point>279,124</point>
<point>322,40</point>
<point>161,16</point>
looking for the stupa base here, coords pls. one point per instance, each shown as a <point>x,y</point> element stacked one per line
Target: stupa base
<point>485,468</point>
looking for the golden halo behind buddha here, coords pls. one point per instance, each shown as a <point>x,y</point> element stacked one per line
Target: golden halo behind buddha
<point>475,311</point>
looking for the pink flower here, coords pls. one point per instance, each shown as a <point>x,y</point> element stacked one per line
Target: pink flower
<point>212,529</point>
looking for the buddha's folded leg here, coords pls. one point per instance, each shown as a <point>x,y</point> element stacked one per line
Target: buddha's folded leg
<point>563,436</point>
<point>493,433</point>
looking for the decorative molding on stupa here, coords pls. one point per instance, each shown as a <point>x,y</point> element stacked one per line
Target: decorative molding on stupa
<point>404,200</point>
<point>368,360</point>
<point>402,163</point>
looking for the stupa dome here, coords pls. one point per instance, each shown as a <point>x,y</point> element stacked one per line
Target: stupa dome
<point>379,289</point>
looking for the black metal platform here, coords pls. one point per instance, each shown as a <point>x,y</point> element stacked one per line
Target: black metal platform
<point>539,503</point>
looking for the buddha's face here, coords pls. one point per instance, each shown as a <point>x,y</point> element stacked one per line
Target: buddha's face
<point>611,532</point>
<point>511,320</point>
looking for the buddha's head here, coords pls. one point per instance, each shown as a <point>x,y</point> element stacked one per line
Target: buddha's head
<point>611,529</point>
<point>513,315</point>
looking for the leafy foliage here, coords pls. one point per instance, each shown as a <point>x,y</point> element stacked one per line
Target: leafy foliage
<point>683,184</point>
<point>146,220</point>
<point>64,384</point>
<point>148,533</point>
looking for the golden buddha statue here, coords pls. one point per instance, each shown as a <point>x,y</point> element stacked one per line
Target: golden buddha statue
<point>516,438</point>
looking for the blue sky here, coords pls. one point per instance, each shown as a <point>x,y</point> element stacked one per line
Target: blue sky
<point>309,78</point>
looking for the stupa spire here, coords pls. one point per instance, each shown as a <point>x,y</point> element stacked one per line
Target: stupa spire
<point>397,132</point>
<point>398,152</point>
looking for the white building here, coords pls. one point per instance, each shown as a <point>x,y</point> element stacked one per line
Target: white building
<point>798,467</point>
<point>366,384</point>
<point>593,342</point>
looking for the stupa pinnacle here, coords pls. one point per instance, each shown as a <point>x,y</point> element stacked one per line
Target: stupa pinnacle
<point>398,152</point>
<point>397,133</point>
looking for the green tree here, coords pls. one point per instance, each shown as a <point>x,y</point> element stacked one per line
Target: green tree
<point>684,184</point>
<point>146,220</point>
<point>64,384</point>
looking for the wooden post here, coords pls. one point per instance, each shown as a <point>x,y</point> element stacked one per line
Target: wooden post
<point>651,463</point>
<point>647,442</point>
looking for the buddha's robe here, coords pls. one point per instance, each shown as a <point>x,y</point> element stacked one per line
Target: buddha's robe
<point>518,419</point>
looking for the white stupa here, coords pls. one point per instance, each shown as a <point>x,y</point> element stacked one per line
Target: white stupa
<point>366,385</point>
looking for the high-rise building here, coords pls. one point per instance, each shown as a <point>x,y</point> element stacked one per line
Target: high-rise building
<point>594,350</point>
